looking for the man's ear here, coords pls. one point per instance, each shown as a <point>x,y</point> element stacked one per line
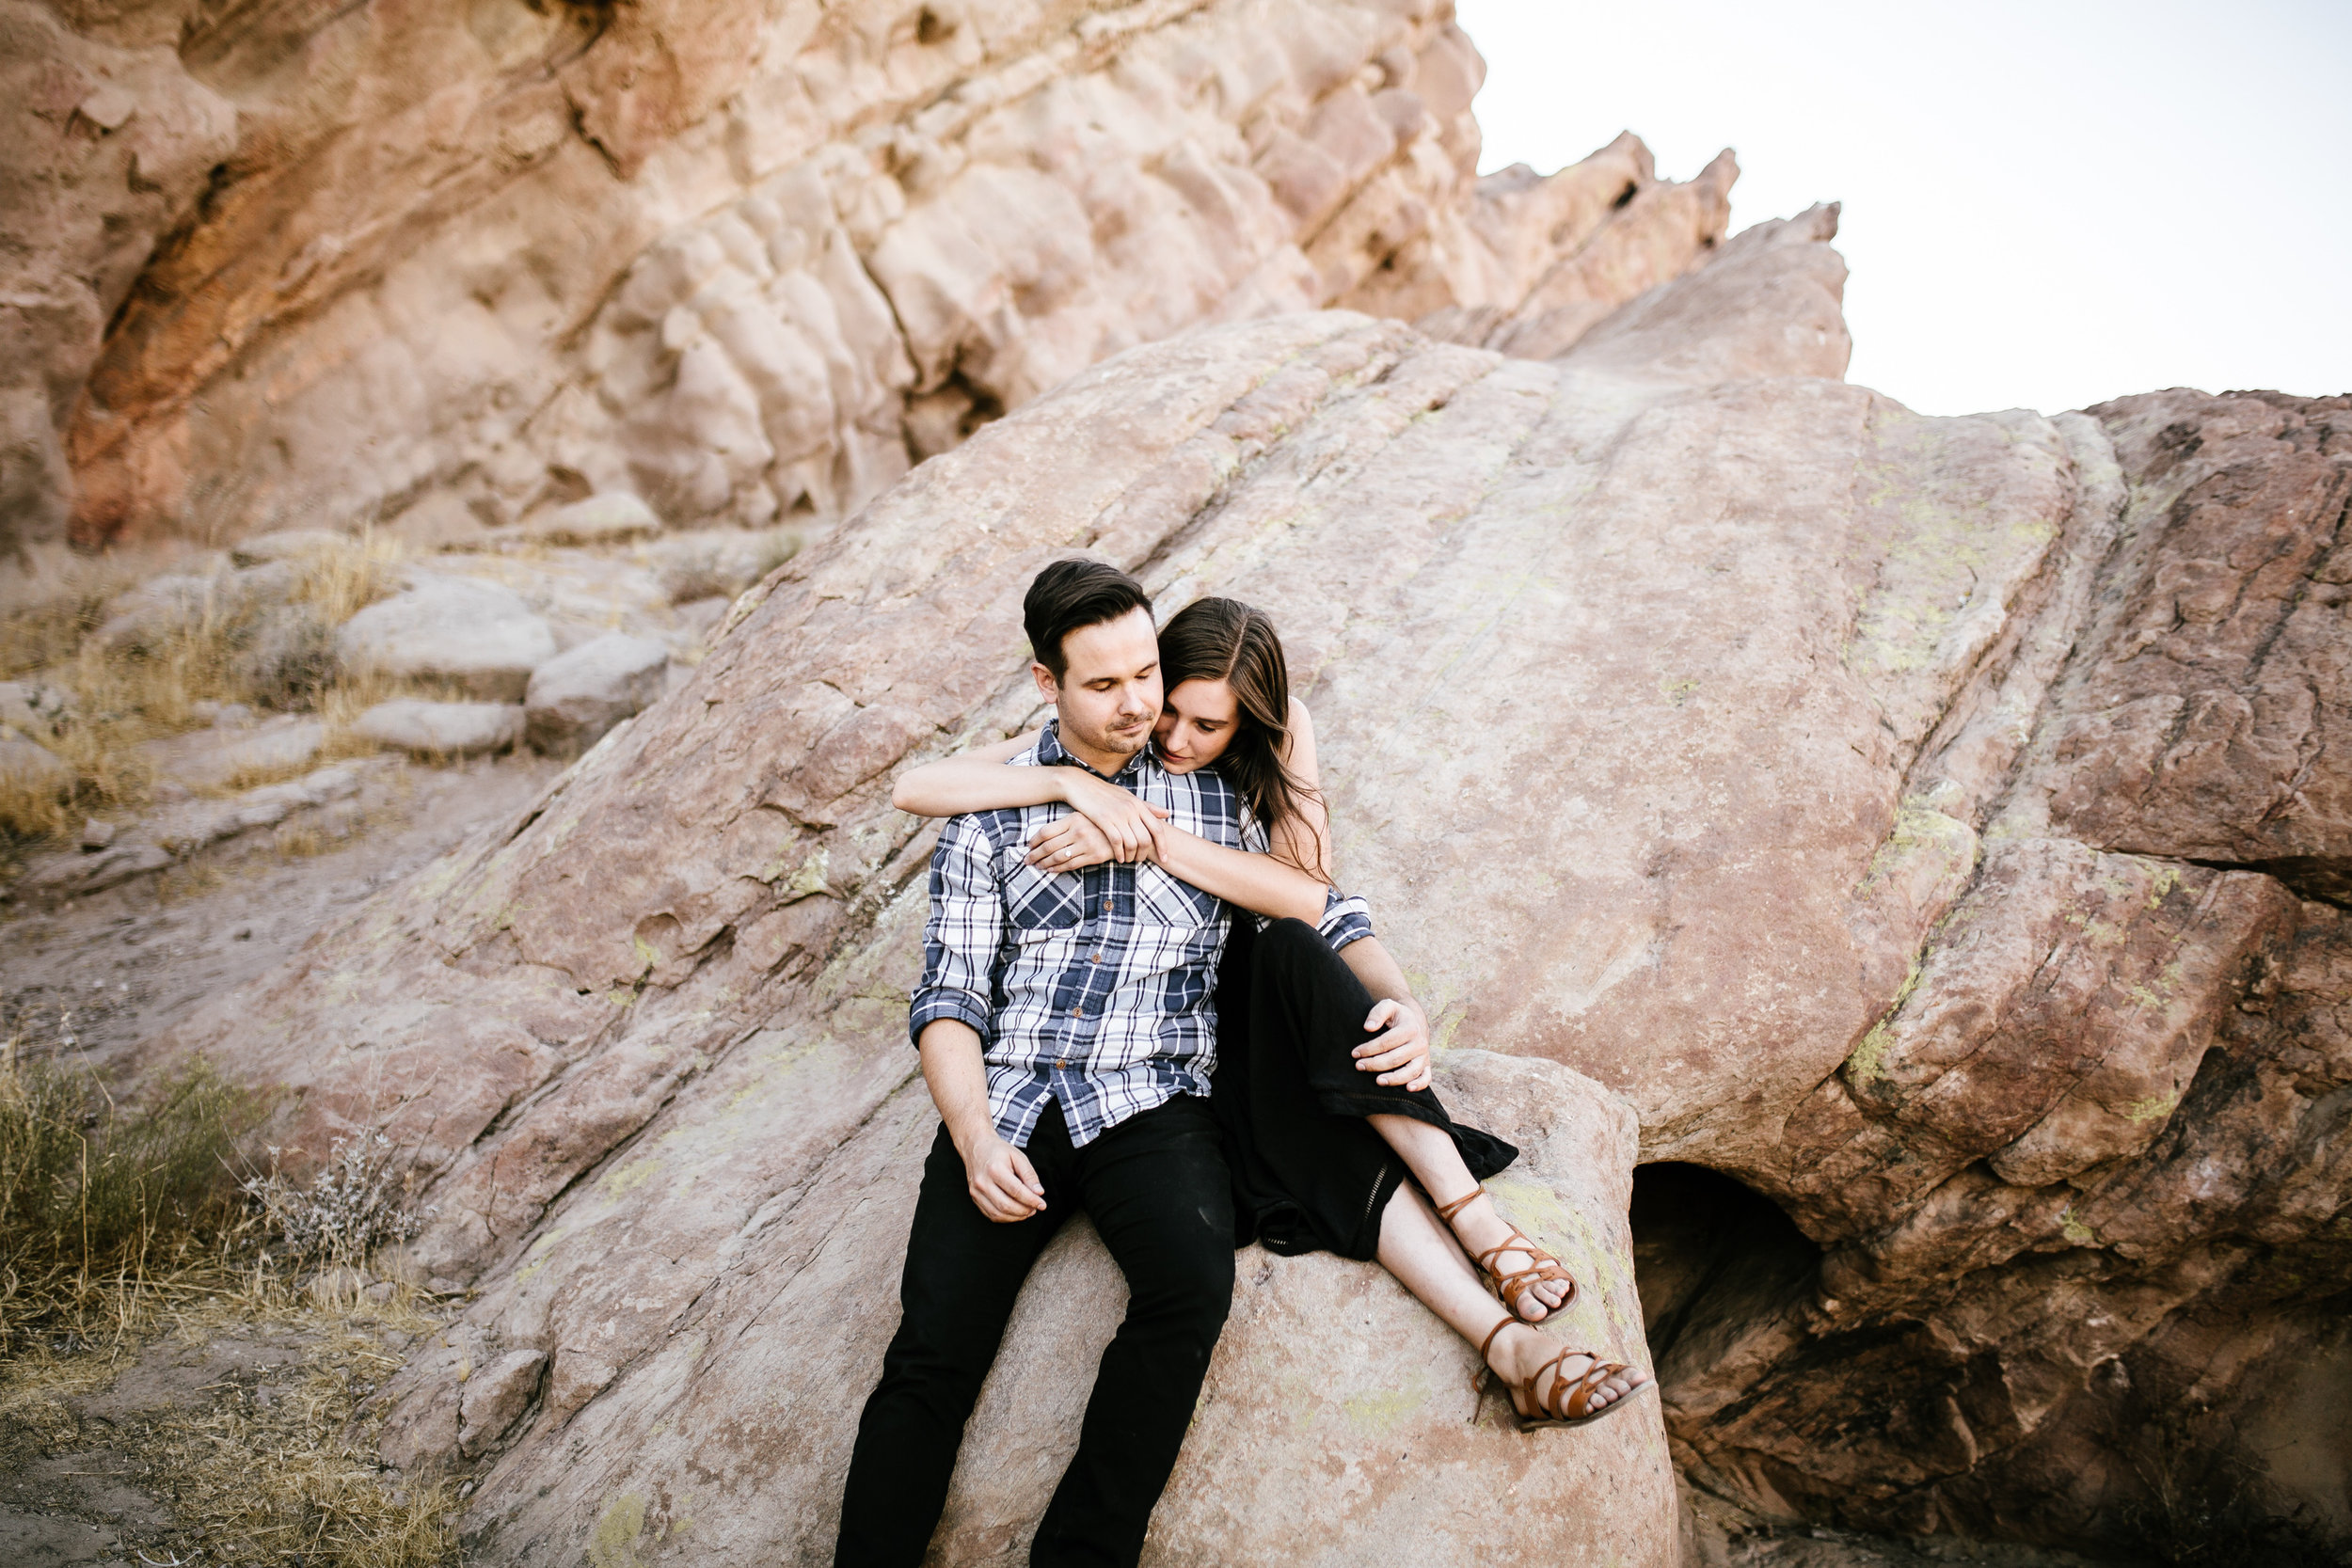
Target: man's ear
<point>1047,687</point>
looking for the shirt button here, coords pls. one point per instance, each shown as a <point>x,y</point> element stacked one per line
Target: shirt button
<point>1097,959</point>
<point>1107,906</point>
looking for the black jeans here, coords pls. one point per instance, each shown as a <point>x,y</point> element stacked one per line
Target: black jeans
<point>1158,1193</point>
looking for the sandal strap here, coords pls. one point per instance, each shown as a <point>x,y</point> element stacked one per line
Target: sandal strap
<point>1487,1343</point>
<point>1447,1211</point>
<point>1580,1392</point>
<point>1536,1378</point>
<point>1512,1286</point>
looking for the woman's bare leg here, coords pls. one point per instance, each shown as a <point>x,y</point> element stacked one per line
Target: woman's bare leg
<point>1436,1164</point>
<point>1416,1248</point>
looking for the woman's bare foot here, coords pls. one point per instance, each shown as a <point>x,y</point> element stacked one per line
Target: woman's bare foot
<point>1519,1352</point>
<point>1480,1227</point>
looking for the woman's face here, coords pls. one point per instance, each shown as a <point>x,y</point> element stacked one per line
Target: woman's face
<point>1196,724</point>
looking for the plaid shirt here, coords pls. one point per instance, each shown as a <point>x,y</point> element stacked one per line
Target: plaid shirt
<point>1093,987</point>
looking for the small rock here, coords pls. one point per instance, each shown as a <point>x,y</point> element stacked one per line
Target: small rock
<point>74,873</point>
<point>441,1285</point>
<point>441,521</point>
<point>242,933</point>
<point>381,1291</point>
<point>610,518</point>
<point>150,615</point>
<point>32,768</point>
<point>210,758</point>
<point>494,1397</point>
<point>574,698</point>
<point>288,544</point>
<point>717,562</point>
<point>442,729</point>
<point>109,108</point>
<point>478,634</point>
<point>40,708</point>
<point>187,826</point>
<point>97,834</point>
<point>699,618</point>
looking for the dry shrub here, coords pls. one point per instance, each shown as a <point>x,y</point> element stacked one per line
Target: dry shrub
<point>354,1204</point>
<point>100,1201</point>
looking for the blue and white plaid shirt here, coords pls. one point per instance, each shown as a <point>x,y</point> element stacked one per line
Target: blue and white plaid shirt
<point>1093,987</point>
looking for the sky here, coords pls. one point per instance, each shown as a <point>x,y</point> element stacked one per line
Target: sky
<point>2046,205</point>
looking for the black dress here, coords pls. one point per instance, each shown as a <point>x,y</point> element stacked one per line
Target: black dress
<point>1309,1174</point>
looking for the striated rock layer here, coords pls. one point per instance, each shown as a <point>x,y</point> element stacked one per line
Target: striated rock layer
<point>747,259</point>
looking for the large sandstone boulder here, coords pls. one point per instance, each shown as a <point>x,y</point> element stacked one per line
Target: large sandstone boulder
<point>1707,735</point>
<point>744,260</point>
<point>575,697</point>
<point>479,636</point>
<point>442,729</point>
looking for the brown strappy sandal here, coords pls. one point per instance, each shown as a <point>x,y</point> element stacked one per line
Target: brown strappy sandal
<point>1570,1403</point>
<point>1511,1287</point>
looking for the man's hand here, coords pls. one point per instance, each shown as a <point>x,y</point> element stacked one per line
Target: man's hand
<point>1399,1053</point>
<point>1003,1184</point>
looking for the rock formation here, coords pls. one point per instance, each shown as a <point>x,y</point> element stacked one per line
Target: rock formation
<point>747,261</point>
<point>1925,825</point>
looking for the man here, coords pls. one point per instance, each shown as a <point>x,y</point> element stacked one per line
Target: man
<point>1067,1033</point>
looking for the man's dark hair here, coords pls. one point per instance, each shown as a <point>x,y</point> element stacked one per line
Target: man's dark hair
<point>1073,593</point>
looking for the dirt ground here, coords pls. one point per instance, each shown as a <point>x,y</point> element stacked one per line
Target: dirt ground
<point>133,960</point>
<point>105,1448</point>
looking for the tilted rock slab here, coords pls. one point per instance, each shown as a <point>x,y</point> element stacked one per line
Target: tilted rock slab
<point>1692,725</point>
<point>744,259</point>
<point>2082,1186</point>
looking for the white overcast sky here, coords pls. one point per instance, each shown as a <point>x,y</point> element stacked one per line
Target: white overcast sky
<point>2045,205</point>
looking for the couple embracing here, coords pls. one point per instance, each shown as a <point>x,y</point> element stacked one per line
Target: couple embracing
<point>1143,997</point>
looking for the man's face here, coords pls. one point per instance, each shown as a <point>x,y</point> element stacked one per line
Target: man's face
<point>1109,692</point>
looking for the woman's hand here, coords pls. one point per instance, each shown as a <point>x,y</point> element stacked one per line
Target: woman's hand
<point>1072,843</point>
<point>1400,1054</point>
<point>1130,826</point>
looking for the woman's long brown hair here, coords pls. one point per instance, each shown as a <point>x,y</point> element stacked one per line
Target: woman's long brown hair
<point>1224,640</point>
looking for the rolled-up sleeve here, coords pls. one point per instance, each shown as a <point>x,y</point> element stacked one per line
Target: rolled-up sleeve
<point>1344,919</point>
<point>960,940</point>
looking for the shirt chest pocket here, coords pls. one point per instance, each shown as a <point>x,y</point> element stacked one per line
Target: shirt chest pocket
<point>1038,904</point>
<point>1162,900</point>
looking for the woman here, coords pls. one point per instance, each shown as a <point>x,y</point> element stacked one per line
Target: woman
<point>1319,1146</point>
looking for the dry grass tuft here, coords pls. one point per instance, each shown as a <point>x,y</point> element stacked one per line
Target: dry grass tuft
<point>105,1207</point>
<point>341,583</point>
